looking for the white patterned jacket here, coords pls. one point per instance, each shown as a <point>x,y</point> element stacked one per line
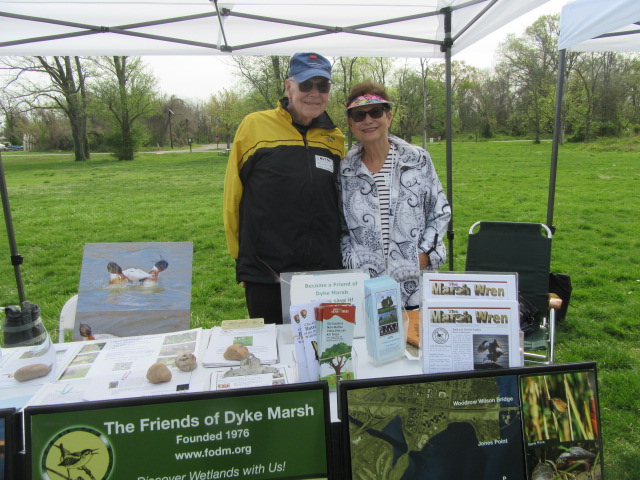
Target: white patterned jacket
<point>419,213</point>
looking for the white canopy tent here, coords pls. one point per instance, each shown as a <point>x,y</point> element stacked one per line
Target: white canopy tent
<point>375,28</point>
<point>596,26</point>
<point>407,28</point>
<point>591,26</point>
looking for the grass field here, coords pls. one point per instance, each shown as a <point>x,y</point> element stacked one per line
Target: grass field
<point>58,205</point>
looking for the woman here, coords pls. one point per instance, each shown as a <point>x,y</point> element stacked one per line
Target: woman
<point>395,210</point>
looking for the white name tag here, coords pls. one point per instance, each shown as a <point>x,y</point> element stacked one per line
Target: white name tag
<point>324,163</point>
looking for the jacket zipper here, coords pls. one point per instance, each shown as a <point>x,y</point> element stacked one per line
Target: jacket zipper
<point>307,254</point>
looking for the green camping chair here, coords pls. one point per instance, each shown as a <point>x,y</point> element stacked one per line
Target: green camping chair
<point>524,248</point>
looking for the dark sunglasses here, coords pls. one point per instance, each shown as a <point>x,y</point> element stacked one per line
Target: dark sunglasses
<point>323,86</point>
<point>360,115</point>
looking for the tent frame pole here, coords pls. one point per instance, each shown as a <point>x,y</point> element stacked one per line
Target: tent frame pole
<point>557,125</point>
<point>16,259</point>
<point>446,48</point>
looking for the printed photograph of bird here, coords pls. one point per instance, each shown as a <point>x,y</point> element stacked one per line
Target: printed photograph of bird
<point>135,275</point>
<point>576,456</point>
<point>494,350</point>
<point>558,405</point>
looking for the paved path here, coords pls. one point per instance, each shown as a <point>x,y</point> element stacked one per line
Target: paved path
<point>220,148</point>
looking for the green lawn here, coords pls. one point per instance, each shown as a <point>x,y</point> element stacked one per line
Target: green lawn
<point>59,205</point>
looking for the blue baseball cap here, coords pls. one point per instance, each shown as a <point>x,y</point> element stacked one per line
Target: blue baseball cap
<point>304,66</point>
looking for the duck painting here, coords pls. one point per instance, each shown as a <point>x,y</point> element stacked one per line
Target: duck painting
<point>135,275</point>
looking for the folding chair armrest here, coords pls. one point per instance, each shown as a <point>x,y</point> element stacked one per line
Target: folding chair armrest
<point>555,301</point>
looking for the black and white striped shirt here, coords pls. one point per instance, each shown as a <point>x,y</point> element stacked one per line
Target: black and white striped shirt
<point>383,181</point>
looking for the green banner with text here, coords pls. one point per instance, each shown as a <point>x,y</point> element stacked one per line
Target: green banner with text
<point>279,434</point>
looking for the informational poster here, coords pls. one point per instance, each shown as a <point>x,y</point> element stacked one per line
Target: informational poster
<point>528,423</point>
<point>131,289</point>
<point>270,433</point>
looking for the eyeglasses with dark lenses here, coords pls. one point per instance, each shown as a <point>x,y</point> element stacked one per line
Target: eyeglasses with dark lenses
<point>360,115</point>
<point>323,86</point>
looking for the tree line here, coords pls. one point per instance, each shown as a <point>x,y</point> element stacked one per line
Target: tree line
<point>113,104</point>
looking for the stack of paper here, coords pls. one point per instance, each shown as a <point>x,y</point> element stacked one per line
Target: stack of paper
<point>470,321</point>
<point>261,342</point>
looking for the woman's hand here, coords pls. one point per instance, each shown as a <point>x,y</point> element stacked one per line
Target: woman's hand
<point>424,260</point>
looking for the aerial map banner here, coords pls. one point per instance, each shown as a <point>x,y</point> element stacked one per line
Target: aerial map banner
<point>259,434</point>
<point>533,423</point>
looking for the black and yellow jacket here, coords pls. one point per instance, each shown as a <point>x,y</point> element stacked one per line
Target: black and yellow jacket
<point>281,209</point>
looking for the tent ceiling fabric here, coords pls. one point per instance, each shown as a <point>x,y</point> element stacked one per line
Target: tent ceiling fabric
<point>408,28</point>
<point>597,26</point>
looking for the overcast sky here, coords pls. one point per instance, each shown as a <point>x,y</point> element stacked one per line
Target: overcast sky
<point>198,77</point>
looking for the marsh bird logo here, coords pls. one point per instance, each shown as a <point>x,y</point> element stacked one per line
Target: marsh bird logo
<point>78,452</point>
<point>76,460</point>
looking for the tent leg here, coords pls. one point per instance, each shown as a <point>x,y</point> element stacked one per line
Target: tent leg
<point>446,48</point>
<point>556,139</point>
<point>16,259</point>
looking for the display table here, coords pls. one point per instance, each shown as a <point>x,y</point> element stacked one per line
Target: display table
<point>293,431</point>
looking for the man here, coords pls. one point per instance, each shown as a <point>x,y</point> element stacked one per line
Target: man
<point>280,198</point>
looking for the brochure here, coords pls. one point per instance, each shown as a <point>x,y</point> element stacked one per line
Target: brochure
<point>303,325</point>
<point>335,342</point>
<point>383,311</point>
<point>296,312</point>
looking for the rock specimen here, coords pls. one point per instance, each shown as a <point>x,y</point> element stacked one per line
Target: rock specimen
<point>236,352</point>
<point>29,372</point>
<point>186,362</point>
<point>158,373</point>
